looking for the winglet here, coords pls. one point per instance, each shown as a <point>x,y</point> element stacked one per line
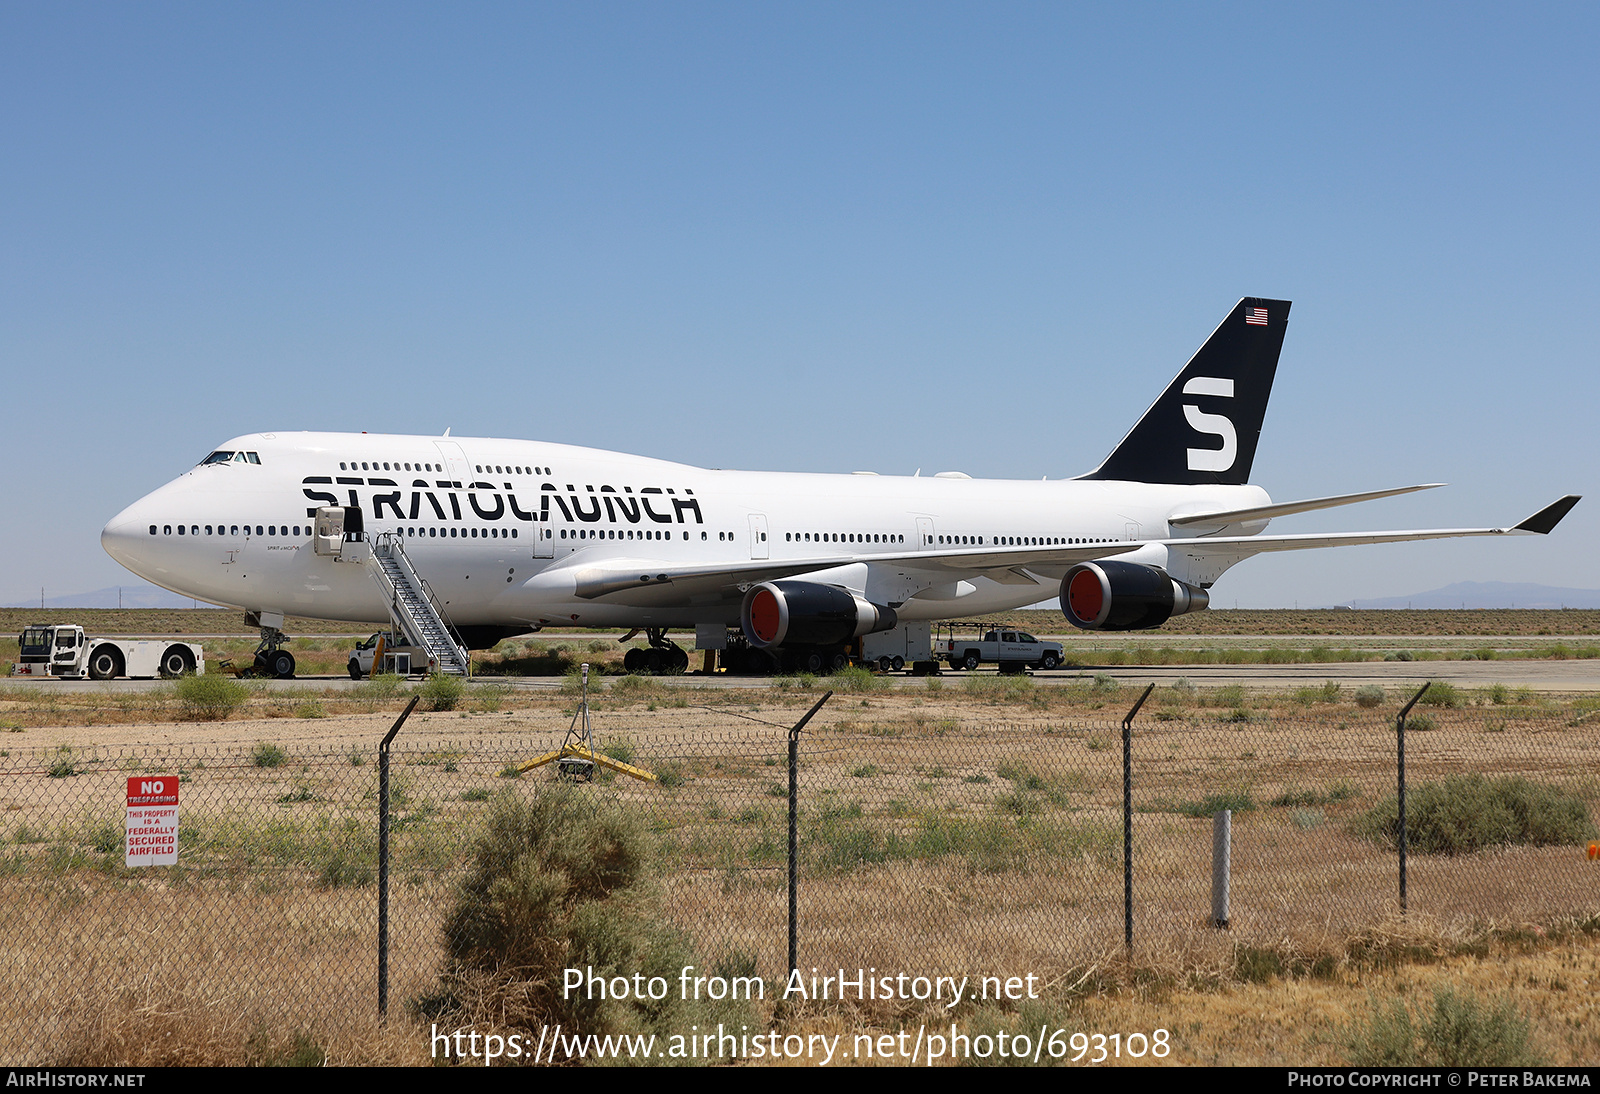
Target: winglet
<point>1550,516</point>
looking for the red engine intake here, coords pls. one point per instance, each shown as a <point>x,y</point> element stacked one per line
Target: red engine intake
<point>1125,596</point>
<point>803,613</point>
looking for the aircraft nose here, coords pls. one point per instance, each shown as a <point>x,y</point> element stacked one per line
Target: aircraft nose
<point>124,534</point>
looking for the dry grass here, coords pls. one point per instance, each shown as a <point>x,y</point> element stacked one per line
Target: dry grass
<point>942,832</point>
<point>165,977</point>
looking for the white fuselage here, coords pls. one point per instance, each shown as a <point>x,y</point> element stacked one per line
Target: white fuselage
<point>499,527</point>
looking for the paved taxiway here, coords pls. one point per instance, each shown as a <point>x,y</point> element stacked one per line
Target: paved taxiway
<point>1572,675</point>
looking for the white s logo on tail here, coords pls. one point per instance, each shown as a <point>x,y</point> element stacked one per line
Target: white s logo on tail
<point>1211,459</point>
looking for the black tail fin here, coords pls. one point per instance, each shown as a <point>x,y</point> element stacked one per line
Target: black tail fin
<point>1205,426</point>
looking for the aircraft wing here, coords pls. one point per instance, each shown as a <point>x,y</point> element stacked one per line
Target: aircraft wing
<point>617,575</point>
<point>1537,525</point>
<point>656,581</point>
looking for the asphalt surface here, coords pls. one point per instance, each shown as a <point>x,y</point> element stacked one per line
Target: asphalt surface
<point>1572,675</point>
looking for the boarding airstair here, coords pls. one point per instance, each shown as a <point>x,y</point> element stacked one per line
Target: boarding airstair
<point>413,609</point>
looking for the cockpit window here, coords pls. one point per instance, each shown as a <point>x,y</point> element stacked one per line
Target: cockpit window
<point>218,457</point>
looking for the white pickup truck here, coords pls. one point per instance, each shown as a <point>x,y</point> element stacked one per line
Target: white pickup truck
<point>399,658</point>
<point>1010,649</point>
<point>63,650</point>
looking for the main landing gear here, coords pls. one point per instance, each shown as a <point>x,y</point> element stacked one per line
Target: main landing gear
<point>271,658</point>
<point>662,657</point>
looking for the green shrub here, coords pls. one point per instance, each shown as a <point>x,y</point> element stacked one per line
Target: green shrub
<point>1466,813</point>
<point>1441,694</point>
<point>856,678</point>
<point>266,755</point>
<point>1230,696</point>
<point>65,765</point>
<point>1239,801</point>
<point>1327,693</point>
<point>1460,1032</point>
<point>619,749</point>
<point>564,880</point>
<point>572,682</point>
<point>1369,696</point>
<point>383,685</point>
<point>490,697</point>
<point>442,692</point>
<point>210,698</point>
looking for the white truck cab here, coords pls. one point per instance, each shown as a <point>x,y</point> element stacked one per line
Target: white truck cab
<point>63,650</point>
<point>399,657</point>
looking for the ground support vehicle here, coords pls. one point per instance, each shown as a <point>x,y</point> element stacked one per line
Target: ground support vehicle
<point>399,657</point>
<point>63,650</point>
<point>893,650</point>
<point>1001,644</point>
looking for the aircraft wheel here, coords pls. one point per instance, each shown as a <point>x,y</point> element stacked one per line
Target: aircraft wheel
<point>175,662</point>
<point>970,661</point>
<point>652,662</point>
<point>281,664</point>
<point>839,661</point>
<point>103,665</point>
<point>355,669</point>
<point>680,660</point>
<point>811,661</point>
<point>632,661</point>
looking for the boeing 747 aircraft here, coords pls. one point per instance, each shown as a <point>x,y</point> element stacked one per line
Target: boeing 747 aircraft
<point>464,541</point>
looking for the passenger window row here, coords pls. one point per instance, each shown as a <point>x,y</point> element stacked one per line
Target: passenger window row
<point>298,530</point>
<point>1021,541</point>
<point>398,465</point>
<point>615,533</point>
<point>498,469</point>
<point>234,530</point>
<point>430,532</point>
<point>839,537</point>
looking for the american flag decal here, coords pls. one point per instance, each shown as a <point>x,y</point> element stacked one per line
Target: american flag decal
<point>1256,317</point>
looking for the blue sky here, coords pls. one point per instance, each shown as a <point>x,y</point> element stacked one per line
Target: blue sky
<point>809,237</point>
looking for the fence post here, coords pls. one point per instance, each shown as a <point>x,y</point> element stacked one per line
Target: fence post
<point>1127,820</point>
<point>1400,779</point>
<point>383,858</point>
<point>794,833</point>
<point>1221,865</point>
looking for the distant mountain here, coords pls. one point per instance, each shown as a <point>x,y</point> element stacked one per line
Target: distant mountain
<point>132,596</point>
<point>1489,594</point>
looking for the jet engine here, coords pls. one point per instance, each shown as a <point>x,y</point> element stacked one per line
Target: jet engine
<point>1125,596</point>
<point>804,613</point>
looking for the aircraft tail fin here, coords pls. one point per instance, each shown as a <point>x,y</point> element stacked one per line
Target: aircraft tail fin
<point>1204,427</point>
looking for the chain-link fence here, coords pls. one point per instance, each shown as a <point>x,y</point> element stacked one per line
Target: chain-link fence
<point>987,841</point>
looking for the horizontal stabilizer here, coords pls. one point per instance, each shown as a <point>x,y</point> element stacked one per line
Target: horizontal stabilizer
<point>1268,512</point>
